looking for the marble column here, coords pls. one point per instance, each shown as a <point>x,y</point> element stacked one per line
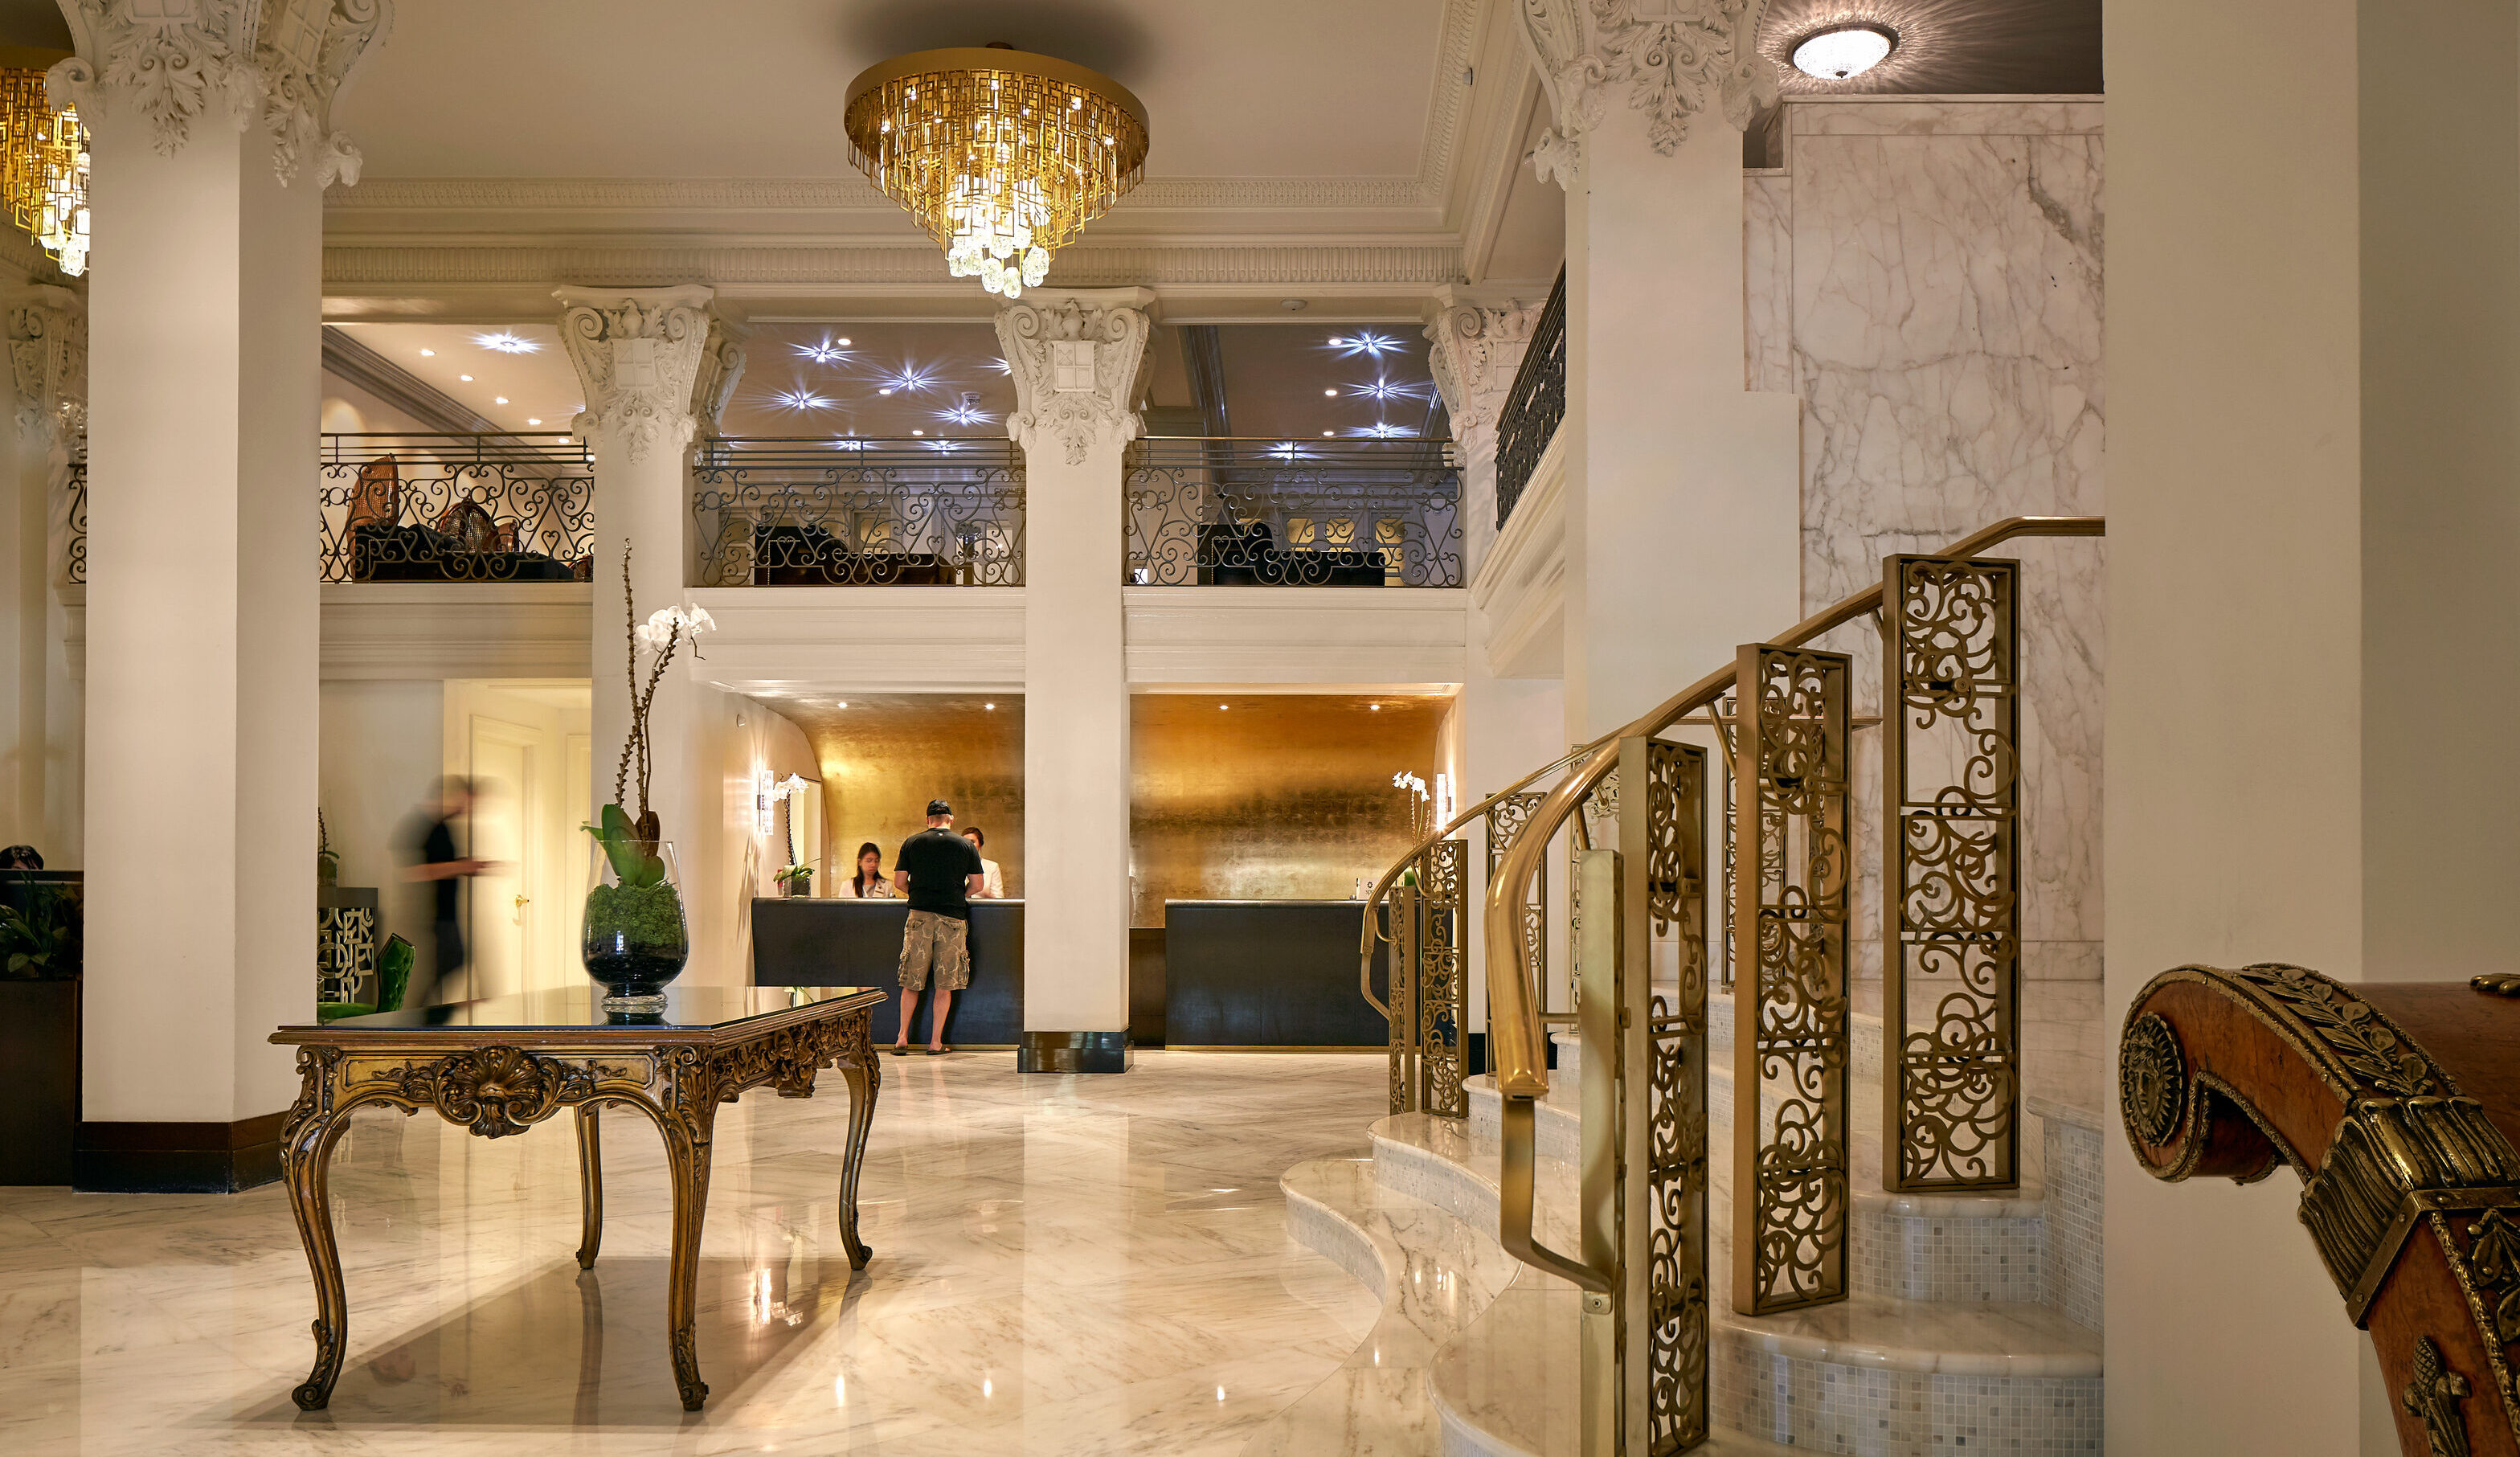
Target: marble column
<point>1078,358</point>
<point>1682,491</point>
<point>48,365</point>
<point>205,314</point>
<point>656,365</point>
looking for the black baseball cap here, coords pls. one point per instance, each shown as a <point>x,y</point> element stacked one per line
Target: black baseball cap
<point>937,807</point>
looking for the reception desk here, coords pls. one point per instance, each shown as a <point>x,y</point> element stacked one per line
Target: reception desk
<point>808,942</point>
<point>1220,973</point>
<point>1268,973</point>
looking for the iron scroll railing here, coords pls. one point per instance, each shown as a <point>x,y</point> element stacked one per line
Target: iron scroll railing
<point>1632,806</point>
<point>1535,405</point>
<point>73,506</point>
<point>1268,512</point>
<point>852,512</point>
<point>451,508</point>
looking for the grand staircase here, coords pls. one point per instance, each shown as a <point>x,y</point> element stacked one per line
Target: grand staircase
<point>1973,1325</point>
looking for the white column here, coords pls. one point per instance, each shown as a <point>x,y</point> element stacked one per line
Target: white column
<point>1077,357</point>
<point>1508,726</point>
<point>2313,656</point>
<point>204,318</point>
<point>1683,493</point>
<point>48,364</point>
<point>646,357</point>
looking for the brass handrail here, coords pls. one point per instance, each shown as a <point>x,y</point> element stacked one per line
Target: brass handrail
<point>1515,1036</point>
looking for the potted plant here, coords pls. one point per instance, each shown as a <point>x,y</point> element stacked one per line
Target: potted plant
<point>796,881</point>
<point>39,1027</point>
<point>636,937</point>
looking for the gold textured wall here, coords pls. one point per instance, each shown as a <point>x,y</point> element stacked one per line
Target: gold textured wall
<point>885,756</point>
<point>1271,797</point>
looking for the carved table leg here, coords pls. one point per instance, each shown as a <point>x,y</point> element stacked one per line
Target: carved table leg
<point>686,1158</point>
<point>305,1156</point>
<point>857,1063</point>
<point>589,1184</point>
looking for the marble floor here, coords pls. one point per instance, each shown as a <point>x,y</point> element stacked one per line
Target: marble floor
<point>1061,1265</point>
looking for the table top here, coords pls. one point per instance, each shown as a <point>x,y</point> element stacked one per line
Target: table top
<point>692,1014</point>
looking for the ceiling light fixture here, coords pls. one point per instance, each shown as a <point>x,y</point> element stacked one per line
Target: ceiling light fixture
<point>505,342</point>
<point>466,379</point>
<point>1000,155</point>
<point>799,399</point>
<point>530,420</point>
<point>44,176</point>
<point>503,400</point>
<point>1843,52</point>
<point>828,351</point>
<point>1366,341</point>
<point>429,353</point>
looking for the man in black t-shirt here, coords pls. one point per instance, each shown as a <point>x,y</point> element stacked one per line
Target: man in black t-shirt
<point>940,872</point>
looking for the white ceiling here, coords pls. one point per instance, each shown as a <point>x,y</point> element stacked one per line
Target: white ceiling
<point>752,88</point>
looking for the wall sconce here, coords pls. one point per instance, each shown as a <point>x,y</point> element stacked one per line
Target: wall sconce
<point>761,802</point>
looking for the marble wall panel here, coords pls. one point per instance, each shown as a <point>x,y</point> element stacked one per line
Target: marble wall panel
<point>1940,263</point>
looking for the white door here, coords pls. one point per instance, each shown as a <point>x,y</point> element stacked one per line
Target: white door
<point>505,826</point>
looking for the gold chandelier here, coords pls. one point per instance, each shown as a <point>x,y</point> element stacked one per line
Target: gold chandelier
<point>1003,156</point>
<point>44,169</point>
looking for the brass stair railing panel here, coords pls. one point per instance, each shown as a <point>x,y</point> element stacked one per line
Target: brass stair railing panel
<point>1517,1046</point>
<point>1504,821</point>
<point>1663,903</point>
<point>1951,865</point>
<point>1428,1010</point>
<point>1791,1174</point>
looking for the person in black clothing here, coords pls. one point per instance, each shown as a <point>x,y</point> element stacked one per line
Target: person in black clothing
<point>940,872</point>
<point>443,871</point>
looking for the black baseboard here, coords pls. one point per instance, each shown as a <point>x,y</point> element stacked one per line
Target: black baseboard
<point>176,1158</point>
<point>1073,1052</point>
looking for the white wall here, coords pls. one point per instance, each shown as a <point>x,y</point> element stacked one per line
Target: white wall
<point>383,755</point>
<point>730,861</point>
<point>2313,533</point>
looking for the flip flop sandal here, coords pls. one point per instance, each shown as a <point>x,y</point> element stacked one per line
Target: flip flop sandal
<point>938,1052</point>
<point>899,1050</point>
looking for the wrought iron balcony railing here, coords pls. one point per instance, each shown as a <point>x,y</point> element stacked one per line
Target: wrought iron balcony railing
<point>850,511</point>
<point>1267,512</point>
<point>74,507</point>
<point>455,508</point>
<point>1535,404</point>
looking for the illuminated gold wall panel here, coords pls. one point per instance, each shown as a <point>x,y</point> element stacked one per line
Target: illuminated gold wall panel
<point>1271,797</point>
<point>885,756</point>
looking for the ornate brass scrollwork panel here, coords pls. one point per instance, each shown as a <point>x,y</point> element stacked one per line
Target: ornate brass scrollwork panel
<point>1951,902</point>
<point>1669,848</point>
<point>1790,1042</point>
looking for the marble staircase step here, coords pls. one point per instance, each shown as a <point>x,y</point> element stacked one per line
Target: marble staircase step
<point>1873,1374</point>
<point>1434,1275</point>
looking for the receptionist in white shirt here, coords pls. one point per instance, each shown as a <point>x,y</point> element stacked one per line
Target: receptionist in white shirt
<point>870,882</point>
<point>993,881</point>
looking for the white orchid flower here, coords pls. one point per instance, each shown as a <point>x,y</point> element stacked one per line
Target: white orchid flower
<point>698,620</point>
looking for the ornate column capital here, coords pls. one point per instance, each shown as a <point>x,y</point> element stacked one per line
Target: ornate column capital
<point>639,354</point>
<point>1676,58</point>
<point>48,358</point>
<point>283,61</point>
<point>1474,348</point>
<point>1076,355</point>
<point>722,361</point>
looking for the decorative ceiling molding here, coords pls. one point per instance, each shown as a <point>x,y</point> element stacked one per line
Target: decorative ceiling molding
<point>353,362</point>
<point>351,265</point>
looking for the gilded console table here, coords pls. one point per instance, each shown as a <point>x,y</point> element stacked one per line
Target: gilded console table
<point>501,1065</point>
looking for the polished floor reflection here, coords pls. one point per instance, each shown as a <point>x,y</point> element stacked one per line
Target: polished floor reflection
<point>1061,1265</point>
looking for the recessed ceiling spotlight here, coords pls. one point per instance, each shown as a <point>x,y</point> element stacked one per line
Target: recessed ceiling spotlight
<point>990,707</point>
<point>798,399</point>
<point>828,351</point>
<point>1366,341</point>
<point>1325,433</point>
<point>1331,392</point>
<point>918,432</point>
<point>507,344</point>
<point>1294,305</point>
<point>1376,707</point>
<point>466,379</point>
<point>843,343</point>
<point>887,389</point>
<point>1843,52</point>
<point>429,353</point>
<point>503,400</point>
<point>1221,707</point>
<point>530,420</point>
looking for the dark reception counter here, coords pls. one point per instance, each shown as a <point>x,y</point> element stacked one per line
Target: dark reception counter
<point>1229,974</point>
<point>796,943</point>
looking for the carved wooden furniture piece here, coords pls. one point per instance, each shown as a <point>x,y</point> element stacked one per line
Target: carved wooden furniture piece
<point>2399,1106</point>
<point>501,1065</point>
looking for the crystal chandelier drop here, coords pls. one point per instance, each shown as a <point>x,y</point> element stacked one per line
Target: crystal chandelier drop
<point>1003,156</point>
<point>44,169</point>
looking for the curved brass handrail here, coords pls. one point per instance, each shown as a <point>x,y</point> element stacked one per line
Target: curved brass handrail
<point>1515,1036</point>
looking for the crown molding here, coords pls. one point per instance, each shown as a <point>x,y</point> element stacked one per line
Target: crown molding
<point>350,265</point>
<point>349,360</point>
